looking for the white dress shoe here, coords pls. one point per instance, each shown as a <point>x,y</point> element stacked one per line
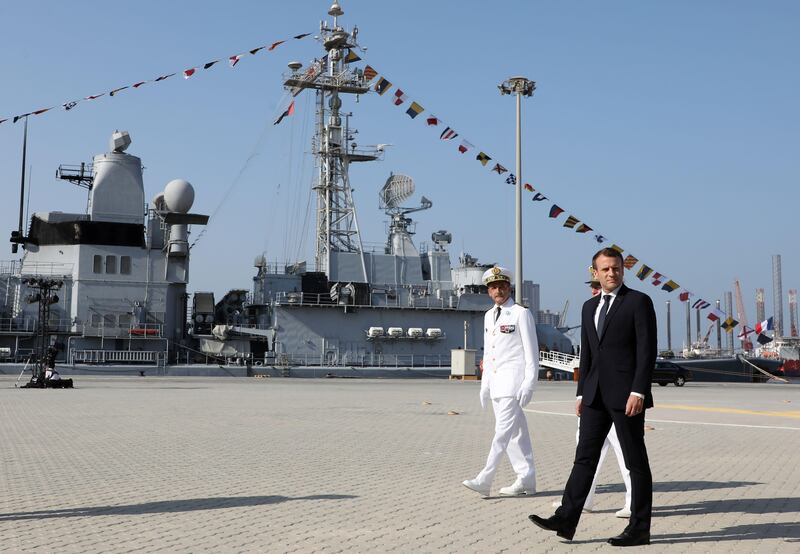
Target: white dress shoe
<point>624,512</point>
<point>475,485</point>
<point>518,489</point>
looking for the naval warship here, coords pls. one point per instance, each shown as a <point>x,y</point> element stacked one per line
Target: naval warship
<point>399,306</point>
<point>107,290</point>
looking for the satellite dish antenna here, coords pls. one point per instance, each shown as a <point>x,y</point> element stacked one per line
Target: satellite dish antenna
<point>396,189</point>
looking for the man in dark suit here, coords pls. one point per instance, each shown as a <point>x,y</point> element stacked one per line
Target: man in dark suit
<point>618,353</point>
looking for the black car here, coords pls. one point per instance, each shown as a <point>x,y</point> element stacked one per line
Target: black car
<point>668,372</point>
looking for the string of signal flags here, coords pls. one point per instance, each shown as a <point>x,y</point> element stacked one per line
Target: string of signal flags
<point>413,109</point>
<point>187,74</point>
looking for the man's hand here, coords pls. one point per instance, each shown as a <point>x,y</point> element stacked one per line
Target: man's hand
<point>635,406</point>
<point>578,404</point>
<point>485,397</point>
<point>524,396</point>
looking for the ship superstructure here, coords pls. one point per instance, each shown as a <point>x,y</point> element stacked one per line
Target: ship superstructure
<point>395,306</point>
<point>115,278</point>
<point>116,275</point>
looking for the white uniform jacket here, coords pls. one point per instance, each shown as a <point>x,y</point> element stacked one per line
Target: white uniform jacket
<point>510,351</point>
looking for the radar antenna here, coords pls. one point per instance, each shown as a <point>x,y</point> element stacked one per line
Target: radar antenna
<point>397,189</point>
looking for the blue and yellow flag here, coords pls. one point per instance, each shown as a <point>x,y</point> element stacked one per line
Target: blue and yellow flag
<point>351,57</point>
<point>670,286</point>
<point>382,86</point>
<point>643,272</point>
<point>414,110</point>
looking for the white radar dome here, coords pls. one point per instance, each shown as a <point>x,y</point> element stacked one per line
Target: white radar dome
<point>179,196</point>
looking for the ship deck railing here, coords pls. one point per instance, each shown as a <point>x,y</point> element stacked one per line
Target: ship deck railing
<point>559,360</point>
<point>134,331</point>
<point>324,299</point>
<point>553,360</point>
<point>29,326</point>
<point>50,269</point>
<point>347,359</point>
<point>115,356</point>
<point>17,325</point>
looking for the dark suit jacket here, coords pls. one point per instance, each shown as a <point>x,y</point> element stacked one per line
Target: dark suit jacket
<point>622,360</point>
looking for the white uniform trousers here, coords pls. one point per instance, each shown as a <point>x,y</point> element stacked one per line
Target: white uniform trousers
<point>613,441</point>
<point>510,436</point>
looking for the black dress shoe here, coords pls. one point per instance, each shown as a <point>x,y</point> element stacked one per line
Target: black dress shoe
<point>630,537</point>
<point>554,523</point>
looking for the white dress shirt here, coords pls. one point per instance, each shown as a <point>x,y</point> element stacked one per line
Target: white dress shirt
<point>602,306</point>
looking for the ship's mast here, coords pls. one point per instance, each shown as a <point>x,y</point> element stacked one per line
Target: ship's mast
<point>337,224</point>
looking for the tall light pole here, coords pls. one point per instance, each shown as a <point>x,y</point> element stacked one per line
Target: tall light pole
<point>521,87</point>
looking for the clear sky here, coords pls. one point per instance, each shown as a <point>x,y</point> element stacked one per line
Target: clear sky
<point>669,127</point>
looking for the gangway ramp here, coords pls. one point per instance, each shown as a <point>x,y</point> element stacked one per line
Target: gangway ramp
<point>559,360</point>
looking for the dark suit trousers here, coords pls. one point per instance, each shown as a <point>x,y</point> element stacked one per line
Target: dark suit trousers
<point>595,424</point>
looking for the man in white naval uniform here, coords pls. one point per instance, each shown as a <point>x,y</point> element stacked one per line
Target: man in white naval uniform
<point>510,372</point>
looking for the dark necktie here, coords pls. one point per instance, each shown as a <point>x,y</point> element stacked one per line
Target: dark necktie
<point>496,314</point>
<point>601,318</point>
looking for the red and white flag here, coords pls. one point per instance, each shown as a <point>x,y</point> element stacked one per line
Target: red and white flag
<point>715,315</point>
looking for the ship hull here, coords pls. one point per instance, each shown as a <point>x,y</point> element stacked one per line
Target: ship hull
<point>729,369</point>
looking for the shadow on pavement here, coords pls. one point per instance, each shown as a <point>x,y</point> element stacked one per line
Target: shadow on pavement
<point>169,506</point>
<point>756,531</point>
<point>679,486</point>
<point>740,505</point>
<point>790,532</point>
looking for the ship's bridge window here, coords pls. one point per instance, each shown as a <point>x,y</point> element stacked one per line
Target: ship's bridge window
<point>97,265</point>
<point>109,321</point>
<point>95,320</point>
<point>125,265</point>
<point>111,264</point>
<point>124,319</point>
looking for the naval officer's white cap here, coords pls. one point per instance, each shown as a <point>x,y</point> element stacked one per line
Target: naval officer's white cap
<point>497,273</point>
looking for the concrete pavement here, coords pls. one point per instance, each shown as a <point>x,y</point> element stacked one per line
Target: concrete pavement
<point>128,464</point>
